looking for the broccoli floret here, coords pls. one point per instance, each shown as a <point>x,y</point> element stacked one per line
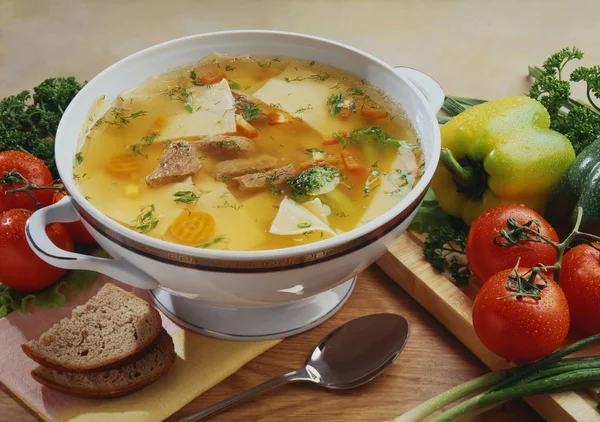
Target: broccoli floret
<point>315,181</point>
<point>372,134</point>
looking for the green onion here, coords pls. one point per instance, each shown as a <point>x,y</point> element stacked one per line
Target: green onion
<point>555,373</point>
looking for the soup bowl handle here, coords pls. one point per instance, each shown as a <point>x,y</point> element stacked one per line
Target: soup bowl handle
<point>64,212</point>
<point>432,91</point>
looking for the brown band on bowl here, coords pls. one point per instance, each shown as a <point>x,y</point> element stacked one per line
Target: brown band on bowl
<point>238,266</point>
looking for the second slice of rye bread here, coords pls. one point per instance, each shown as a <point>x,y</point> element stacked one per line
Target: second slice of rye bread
<point>112,326</point>
<point>114,382</point>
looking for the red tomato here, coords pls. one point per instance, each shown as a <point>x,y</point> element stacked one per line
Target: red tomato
<point>20,268</point>
<point>486,258</point>
<point>34,170</point>
<point>580,281</point>
<point>76,228</point>
<point>521,329</point>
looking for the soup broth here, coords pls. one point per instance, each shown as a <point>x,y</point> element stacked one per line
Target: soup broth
<point>248,153</point>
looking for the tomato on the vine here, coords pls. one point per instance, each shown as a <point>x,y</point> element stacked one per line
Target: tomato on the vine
<point>520,329</point>
<point>76,228</point>
<point>32,169</point>
<point>21,268</point>
<point>486,258</point>
<point>580,281</point>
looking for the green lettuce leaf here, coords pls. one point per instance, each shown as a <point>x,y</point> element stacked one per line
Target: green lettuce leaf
<point>51,297</point>
<point>430,216</point>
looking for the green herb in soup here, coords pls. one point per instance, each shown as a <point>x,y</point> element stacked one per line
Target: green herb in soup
<point>249,153</point>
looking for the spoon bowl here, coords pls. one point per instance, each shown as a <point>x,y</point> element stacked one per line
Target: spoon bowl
<point>349,356</point>
<point>359,350</point>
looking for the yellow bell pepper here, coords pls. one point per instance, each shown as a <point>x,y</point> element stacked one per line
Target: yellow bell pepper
<point>498,152</point>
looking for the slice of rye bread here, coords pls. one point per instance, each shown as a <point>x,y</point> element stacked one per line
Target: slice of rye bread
<point>112,326</point>
<point>114,382</point>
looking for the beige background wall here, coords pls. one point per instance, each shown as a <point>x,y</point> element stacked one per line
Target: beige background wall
<point>474,48</point>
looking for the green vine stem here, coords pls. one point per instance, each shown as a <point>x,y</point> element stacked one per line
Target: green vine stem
<point>516,233</point>
<point>13,177</point>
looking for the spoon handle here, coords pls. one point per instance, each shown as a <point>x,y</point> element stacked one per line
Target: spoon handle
<point>294,376</point>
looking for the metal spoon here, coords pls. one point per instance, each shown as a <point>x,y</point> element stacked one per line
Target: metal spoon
<point>349,356</point>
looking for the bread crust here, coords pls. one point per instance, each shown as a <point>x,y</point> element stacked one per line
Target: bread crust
<point>95,394</point>
<point>49,363</point>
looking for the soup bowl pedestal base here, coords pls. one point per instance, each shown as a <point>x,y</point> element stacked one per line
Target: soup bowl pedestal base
<point>253,323</point>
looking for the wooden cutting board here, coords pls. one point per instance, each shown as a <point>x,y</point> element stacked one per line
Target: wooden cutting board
<point>452,306</point>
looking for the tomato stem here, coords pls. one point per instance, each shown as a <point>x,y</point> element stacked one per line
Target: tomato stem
<point>13,177</point>
<point>516,233</point>
<point>525,285</point>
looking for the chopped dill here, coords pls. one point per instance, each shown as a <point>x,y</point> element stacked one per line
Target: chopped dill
<point>335,103</point>
<point>146,221</point>
<point>320,77</point>
<point>150,138</point>
<point>303,109</point>
<point>119,117</point>
<point>218,239</point>
<point>226,204</point>
<point>233,84</point>
<point>185,197</point>
<point>296,79</point>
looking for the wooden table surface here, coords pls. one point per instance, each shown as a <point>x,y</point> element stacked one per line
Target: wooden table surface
<point>432,361</point>
<point>473,48</point>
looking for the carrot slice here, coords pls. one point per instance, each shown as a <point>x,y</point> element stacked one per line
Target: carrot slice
<point>124,165</point>
<point>332,161</point>
<point>160,121</point>
<point>373,113</point>
<point>344,113</point>
<point>210,74</point>
<point>277,117</point>
<point>244,128</point>
<point>193,227</point>
<point>332,140</point>
<point>352,163</point>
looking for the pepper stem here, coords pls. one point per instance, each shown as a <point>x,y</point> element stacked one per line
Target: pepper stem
<point>465,175</point>
<point>468,174</point>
